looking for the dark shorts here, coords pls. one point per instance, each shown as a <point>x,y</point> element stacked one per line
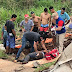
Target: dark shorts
<point>10,41</point>
<point>35,29</point>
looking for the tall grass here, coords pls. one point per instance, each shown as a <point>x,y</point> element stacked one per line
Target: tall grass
<point>38,7</point>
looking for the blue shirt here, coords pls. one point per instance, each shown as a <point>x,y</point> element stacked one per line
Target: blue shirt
<point>63,16</point>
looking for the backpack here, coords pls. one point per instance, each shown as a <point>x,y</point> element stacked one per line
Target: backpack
<point>52,54</point>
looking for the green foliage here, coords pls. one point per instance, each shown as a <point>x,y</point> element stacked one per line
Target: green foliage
<point>2,54</point>
<point>21,7</point>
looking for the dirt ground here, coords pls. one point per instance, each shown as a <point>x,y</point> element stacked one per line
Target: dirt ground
<point>8,66</point>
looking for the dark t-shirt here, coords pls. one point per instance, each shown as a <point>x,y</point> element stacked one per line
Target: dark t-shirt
<point>32,36</point>
<point>10,26</point>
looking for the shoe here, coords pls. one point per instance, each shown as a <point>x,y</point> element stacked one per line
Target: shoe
<point>24,62</point>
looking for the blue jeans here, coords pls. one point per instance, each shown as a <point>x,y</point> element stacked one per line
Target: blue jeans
<point>24,40</point>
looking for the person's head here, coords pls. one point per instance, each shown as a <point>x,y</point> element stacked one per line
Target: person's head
<point>43,36</point>
<point>46,11</point>
<point>63,10</point>
<point>13,17</point>
<point>33,14</point>
<point>26,16</point>
<point>55,16</point>
<point>51,9</point>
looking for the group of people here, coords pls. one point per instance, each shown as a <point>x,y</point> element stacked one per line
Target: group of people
<point>35,29</point>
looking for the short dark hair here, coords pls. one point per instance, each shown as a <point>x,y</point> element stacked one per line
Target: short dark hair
<point>45,10</point>
<point>14,16</point>
<point>32,12</point>
<point>63,8</point>
<point>51,7</point>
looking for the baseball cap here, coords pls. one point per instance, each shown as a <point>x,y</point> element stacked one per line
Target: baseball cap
<point>26,15</point>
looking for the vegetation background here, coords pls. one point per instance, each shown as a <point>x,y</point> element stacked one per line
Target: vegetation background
<point>21,7</point>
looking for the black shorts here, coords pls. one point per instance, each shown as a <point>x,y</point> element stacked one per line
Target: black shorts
<point>35,29</point>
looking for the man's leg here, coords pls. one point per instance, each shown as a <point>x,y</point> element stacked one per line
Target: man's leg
<point>30,56</point>
<point>23,46</point>
<point>57,40</point>
<point>12,44</point>
<point>7,45</point>
<point>61,40</point>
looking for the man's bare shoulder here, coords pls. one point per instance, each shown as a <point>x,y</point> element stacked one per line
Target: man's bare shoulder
<point>49,15</point>
<point>31,18</point>
<point>38,17</point>
<point>42,13</point>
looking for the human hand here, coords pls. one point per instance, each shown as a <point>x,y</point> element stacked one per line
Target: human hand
<point>2,38</point>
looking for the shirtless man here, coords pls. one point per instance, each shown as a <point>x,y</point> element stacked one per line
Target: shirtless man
<point>36,20</point>
<point>46,20</point>
<point>52,11</point>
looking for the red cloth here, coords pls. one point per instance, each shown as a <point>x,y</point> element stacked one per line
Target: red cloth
<point>60,23</point>
<point>43,29</point>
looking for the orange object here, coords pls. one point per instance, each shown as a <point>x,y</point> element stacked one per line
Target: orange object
<point>18,39</point>
<point>68,34</point>
<point>18,46</point>
<point>48,40</point>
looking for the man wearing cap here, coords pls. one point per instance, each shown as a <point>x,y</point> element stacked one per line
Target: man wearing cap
<point>36,20</point>
<point>45,20</point>
<point>64,15</point>
<point>60,31</point>
<point>28,24</point>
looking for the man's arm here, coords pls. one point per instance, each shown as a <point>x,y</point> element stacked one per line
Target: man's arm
<point>13,31</point>
<point>32,24</point>
<point>39,22</point>
<point>43,45</point>
<point>49,21</point>
<point>2,35</point>
<point>60,24</point>
<point>68,18</point>
<point>35,46</point>
<point>67,22</point>
<point>32,28</point>
<point>21,24</point>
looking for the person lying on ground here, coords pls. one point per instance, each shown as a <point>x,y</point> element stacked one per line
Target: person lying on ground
<point>36,20</point>
<point>45,20</point>
<point>4,36</point>
<point>28,24</point>
<point>9,26</point>
<point>33,38</point>
<point>33,56</point>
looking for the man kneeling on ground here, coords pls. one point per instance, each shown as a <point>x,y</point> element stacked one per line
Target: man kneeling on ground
<point>33,38</point>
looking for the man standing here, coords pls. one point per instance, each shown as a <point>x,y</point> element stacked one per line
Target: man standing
<point>64,15</point>
<point>60,30</point>
<point>33,38</point>
<point>52,11</point>
<point>46,20</point>
<point>36,20</point>
<point>28,24</point>
<point>9,26</point>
